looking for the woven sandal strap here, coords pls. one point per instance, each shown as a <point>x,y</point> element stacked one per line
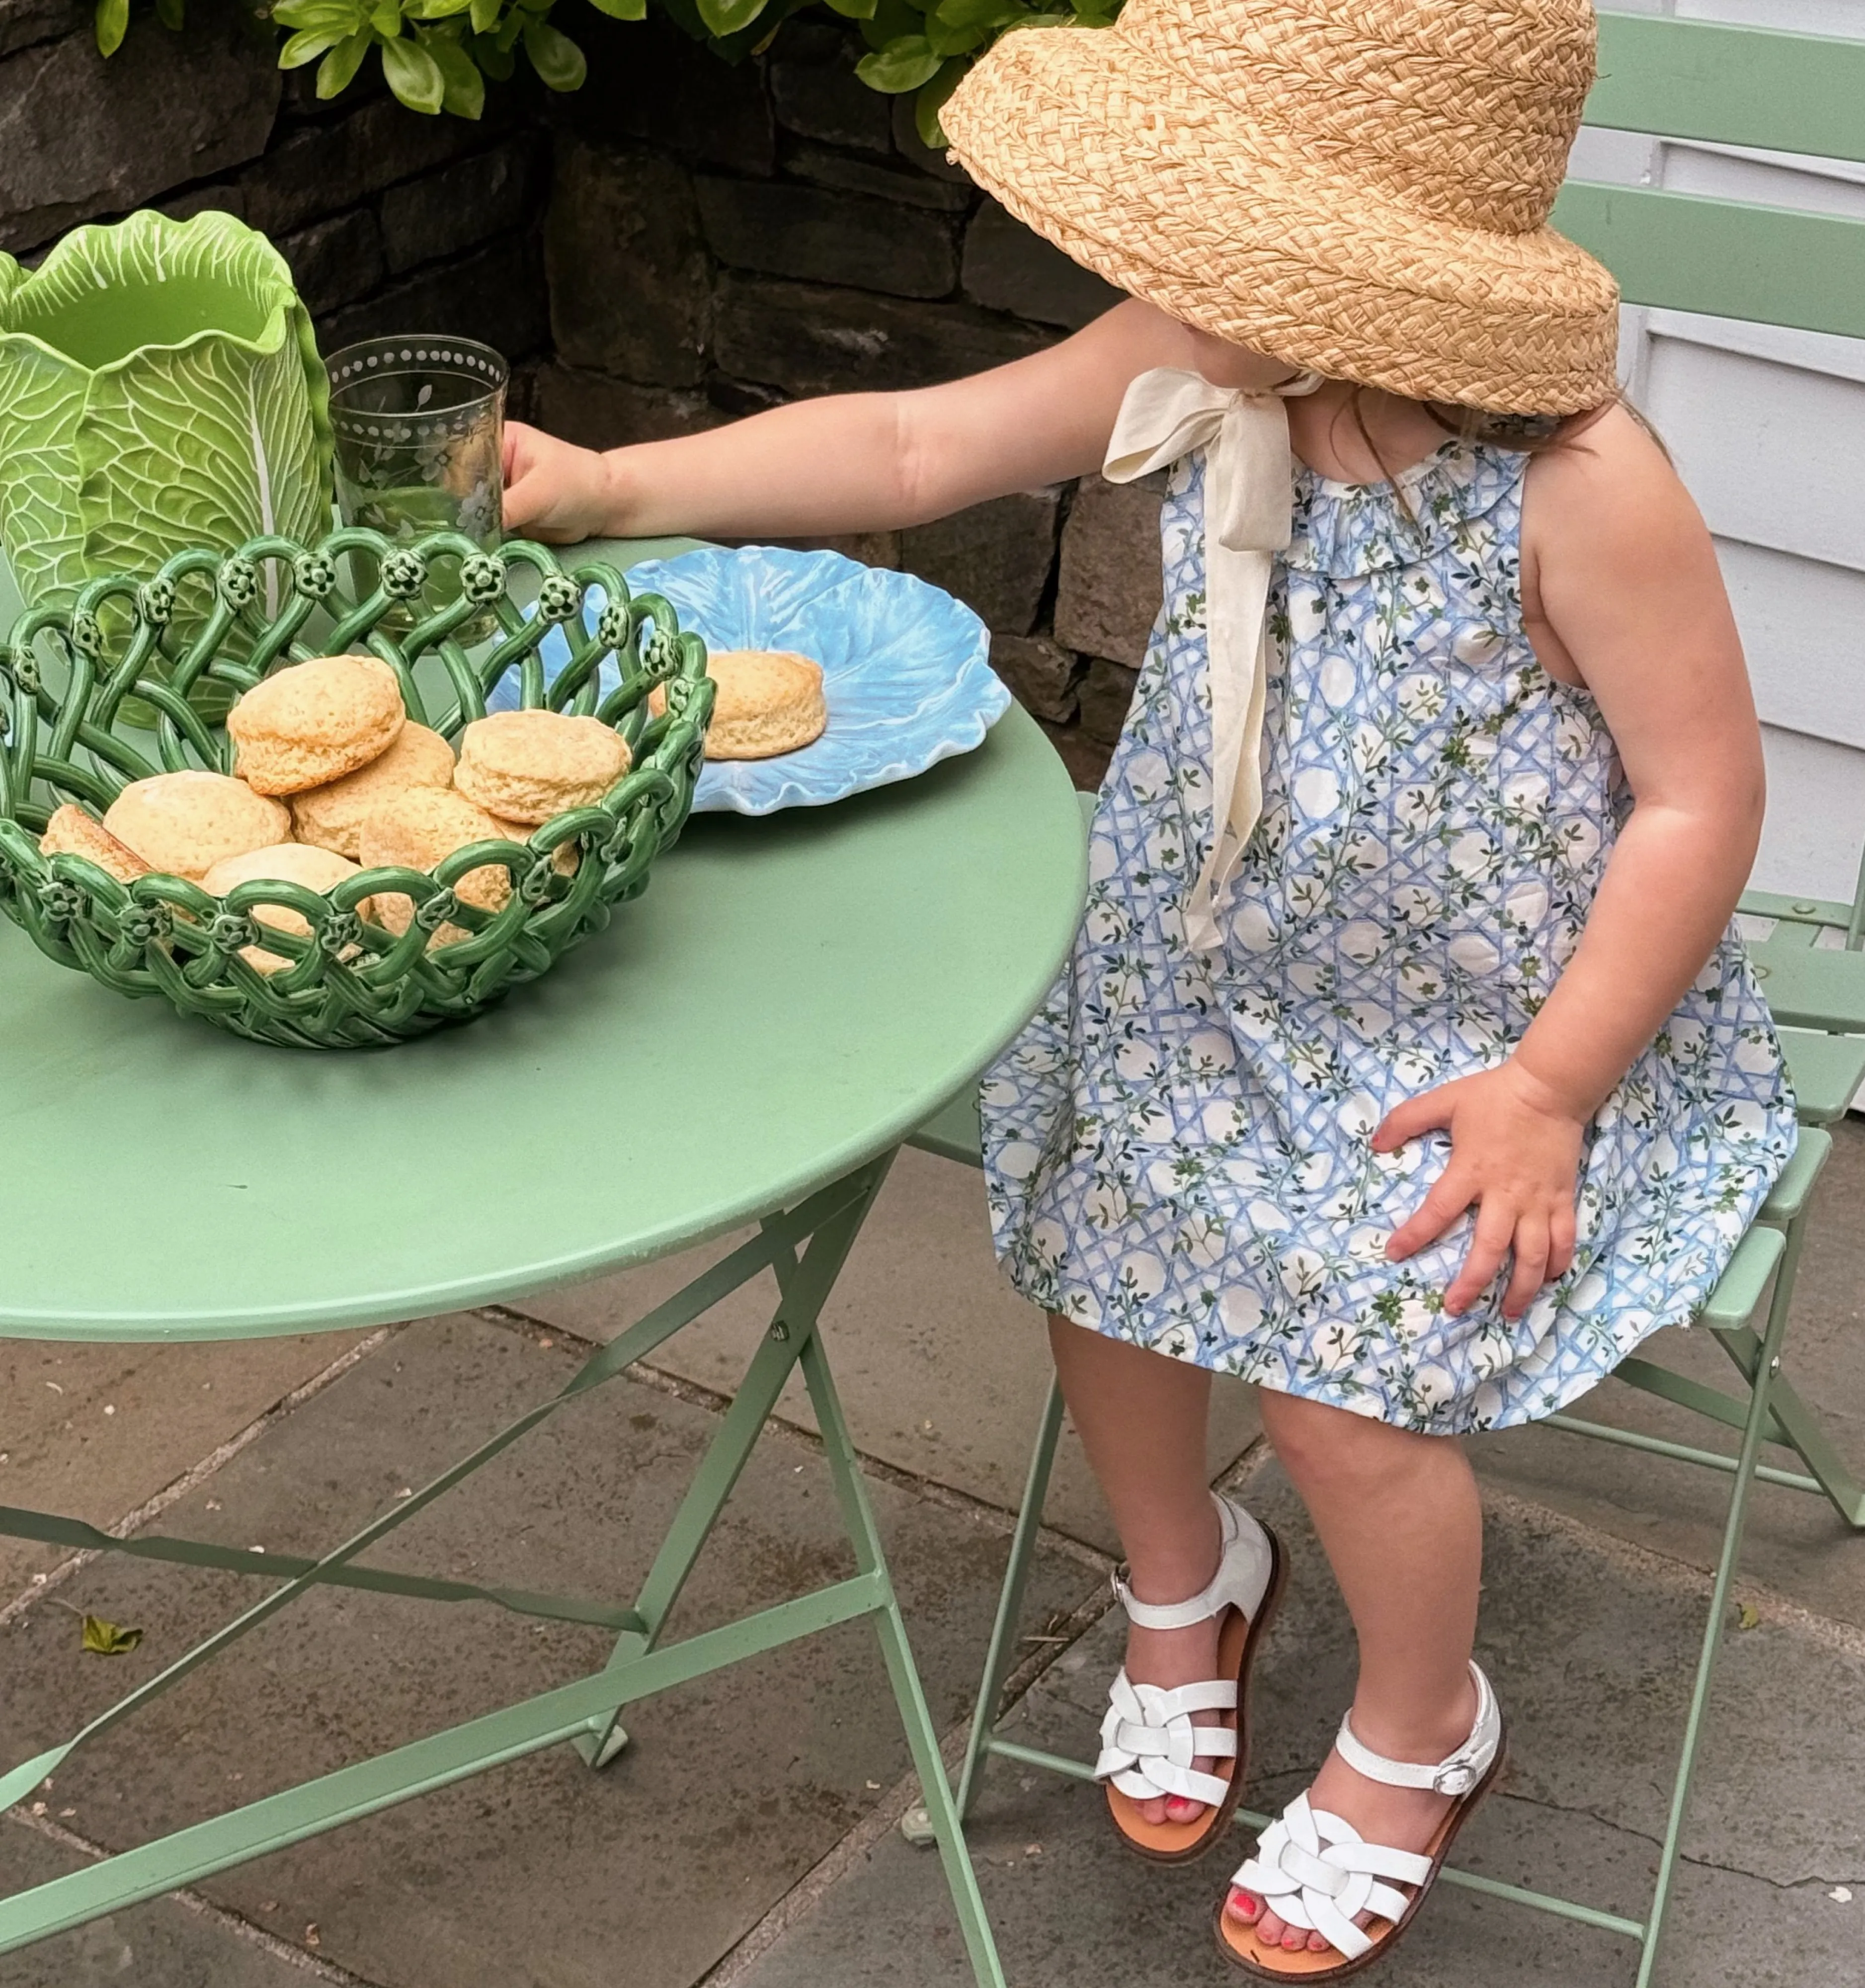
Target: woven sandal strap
<point>1456,1774</point>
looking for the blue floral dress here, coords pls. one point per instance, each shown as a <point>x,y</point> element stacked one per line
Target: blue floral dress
<point>1177,1148</point>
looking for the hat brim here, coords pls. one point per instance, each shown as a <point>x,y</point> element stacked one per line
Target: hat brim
<point>1086,136</point>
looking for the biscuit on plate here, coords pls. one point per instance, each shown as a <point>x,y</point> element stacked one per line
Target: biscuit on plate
<point>75,831</point>
<point>317,869</point>
<point>314,722</point>
<point>184,823</point>
<point>528,766</point>
<point>333,816</point>
<point>769,701</point>
<point>418,829</point>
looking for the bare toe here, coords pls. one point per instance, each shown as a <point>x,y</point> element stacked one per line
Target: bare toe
<point>1182,1808</point>
<point>1317,1942</point>
<point>1244,1906</point>
<point>1157,1810</point>
<point>1270,1929</point>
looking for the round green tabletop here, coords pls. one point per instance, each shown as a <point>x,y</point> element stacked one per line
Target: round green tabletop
<point>790,996</point>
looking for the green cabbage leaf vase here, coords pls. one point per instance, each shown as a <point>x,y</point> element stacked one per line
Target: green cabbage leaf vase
<point>160,388</point>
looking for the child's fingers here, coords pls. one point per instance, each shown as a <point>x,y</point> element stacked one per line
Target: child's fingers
<point>1530,1271</point>
<point>1561,1240</point>
<point>1429,1111</point>
<point>1442,1206</point>
<point>1495,1228</point>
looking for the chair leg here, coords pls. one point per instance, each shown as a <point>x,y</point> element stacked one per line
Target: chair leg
<point>1767,1366</point>
<point>1002,1655</point>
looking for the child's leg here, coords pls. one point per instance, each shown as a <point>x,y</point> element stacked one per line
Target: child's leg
<point>1141,1418</point>
<point>1399,1517</point>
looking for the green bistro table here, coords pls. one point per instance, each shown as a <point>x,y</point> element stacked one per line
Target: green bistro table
<point>751,1040</point>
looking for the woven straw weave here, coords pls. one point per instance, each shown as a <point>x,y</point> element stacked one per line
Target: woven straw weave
<point>135,677</point>
<point>1359,188</point>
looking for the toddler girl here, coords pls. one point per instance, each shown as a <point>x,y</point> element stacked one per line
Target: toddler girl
<point>1405,1065</point>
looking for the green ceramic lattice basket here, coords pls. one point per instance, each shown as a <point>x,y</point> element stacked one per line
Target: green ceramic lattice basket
<point>134,678</point>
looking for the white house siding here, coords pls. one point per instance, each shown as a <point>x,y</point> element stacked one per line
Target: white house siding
<point>1768,426</point>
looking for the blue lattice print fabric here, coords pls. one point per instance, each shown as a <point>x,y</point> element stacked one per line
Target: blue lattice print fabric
<point>1177,1148</point>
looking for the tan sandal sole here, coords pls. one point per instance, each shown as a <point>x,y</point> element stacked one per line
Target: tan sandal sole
<point>1240,1946</point>
<point>1238,1643</point>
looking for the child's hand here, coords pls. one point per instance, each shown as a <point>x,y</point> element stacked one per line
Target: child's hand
<point>554,490</point>
<point>1514,1153</point>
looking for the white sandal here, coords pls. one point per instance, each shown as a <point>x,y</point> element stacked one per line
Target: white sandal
<point>1148,1741</point>
<point>1314,1870</point>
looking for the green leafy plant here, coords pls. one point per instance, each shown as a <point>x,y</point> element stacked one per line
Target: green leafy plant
<point>436,55</point>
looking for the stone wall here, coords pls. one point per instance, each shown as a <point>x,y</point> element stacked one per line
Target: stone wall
<point>679,243</point>
<point>391,221</point>
<point>721,239</point>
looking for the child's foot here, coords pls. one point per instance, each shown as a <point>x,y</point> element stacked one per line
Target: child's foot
<point>1169,1658</point>
<point>1400,1818</point>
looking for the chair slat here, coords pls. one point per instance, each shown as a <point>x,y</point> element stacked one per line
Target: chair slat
<point>1726,258</point>
<point>1732,86</point>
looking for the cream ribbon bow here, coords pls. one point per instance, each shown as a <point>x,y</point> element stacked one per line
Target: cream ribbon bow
<point>1248,493</point>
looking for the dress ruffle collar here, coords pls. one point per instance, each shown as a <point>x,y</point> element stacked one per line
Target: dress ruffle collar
<point>1341,530</point>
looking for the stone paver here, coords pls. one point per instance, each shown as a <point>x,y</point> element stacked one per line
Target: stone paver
<point>541,1872</point>
<point>93,1433</point>
<point>1592,1658</point>
<point>161,1944</point>
<point>942,1368</point>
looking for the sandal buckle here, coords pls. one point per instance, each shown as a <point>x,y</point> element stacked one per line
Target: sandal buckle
<point>1454,1777</point>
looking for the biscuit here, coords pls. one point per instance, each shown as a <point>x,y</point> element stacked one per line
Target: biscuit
<point>416,830</point>
<point>288,862</point>
<point>184,823</point>
<point>314,722</point>
<point>529,766</point>
<point>333,816</point>
<point>769,701</point>
<point>75,831</point>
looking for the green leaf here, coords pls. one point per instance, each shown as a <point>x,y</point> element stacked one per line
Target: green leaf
<point>494,61</point>
<point>557,60</point>
<point>902,65</point>
<point>484,15</point>
<point>889,20</point>
<point>977,13</point>
<point>728,17</point>
<point>854,10</point>
<point>943,41</point>
<point>931,100</point>
<point>337,68</point>
<point>414,76</point>
<point>209,443</point>
<point>314,14</point>
<point>432,10</point>
<point>465,86</point>
<point>113,25</point>
<point>622,10</point>
<point>306,45</point>
<point>385,18</point>
<point>104,1639</point>
<point>169,13</point>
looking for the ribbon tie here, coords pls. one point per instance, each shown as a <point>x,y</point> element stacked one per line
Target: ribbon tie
<point>1248,495</point>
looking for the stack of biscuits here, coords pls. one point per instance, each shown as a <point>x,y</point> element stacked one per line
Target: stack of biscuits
<point>331,777</point>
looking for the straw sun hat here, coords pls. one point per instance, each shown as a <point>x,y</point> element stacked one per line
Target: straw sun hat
<point>1360,188</point>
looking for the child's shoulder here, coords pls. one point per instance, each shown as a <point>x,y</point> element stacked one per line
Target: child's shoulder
<point>1607,488</point>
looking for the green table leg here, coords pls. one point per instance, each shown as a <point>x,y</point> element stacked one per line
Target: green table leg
<point>586,1713</point>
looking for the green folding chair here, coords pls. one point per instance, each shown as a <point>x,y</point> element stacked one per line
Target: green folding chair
<point>1784,93</point>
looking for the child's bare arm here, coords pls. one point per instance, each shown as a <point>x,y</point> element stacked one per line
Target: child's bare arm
<point>1622,589</point>
<point>853,462</point>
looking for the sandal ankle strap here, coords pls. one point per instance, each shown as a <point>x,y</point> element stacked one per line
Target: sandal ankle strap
<point>1242,1578</point>
<point>1456,1774</point>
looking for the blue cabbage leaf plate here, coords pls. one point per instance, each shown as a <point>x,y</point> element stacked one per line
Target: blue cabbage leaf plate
<point>906,669</point>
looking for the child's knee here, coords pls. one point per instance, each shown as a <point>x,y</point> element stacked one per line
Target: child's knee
<point>1316,1442</point>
